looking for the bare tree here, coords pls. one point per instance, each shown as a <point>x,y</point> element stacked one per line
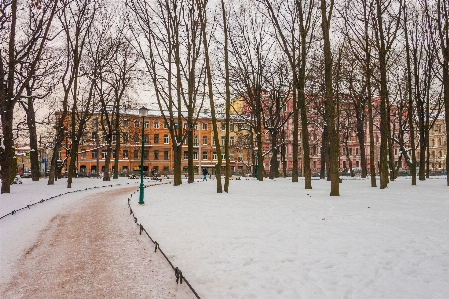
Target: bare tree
<point>330,101</point>
<point>251,48</point>
<point>172,33</point>
<point>386,29</point>
<point>275,114</point>
<point>409,91</point>
<point>30,50</point>
<point>295,37</point>
<point>228,95</point>
<point>203,18</point>
<point>443,33</point>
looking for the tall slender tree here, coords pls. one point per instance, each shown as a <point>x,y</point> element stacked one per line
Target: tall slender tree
<point>330,101</point>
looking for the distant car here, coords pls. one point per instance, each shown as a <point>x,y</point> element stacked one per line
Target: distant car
<point>132,176</point>
<point>26,174</point>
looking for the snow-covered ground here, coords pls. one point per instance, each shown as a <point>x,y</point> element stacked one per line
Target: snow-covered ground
<point>273,239</point>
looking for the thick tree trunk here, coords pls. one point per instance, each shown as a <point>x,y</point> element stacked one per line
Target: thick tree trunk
<point>383,101</point>
<point>324,152</point>
<point>177,171</point>
<point>410,109</point>
<point>295,145</point>
<point>330,102</point>
<point>228,97</point>
<point>360,124</point>
<point>190,166</point>
<point>8,153</point>
<point>107,160</point>
<point>31,124</point>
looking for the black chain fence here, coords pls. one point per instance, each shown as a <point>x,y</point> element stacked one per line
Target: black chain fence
<point>13,212</point>
<point>178,273</point>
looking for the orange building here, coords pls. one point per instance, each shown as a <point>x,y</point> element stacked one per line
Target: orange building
<point>158,153</point>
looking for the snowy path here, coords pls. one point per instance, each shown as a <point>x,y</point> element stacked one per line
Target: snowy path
<point>92,250</point>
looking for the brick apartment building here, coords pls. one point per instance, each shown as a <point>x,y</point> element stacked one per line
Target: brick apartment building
<point>158,153</point>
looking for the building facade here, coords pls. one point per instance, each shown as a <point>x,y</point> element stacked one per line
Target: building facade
<point>158,151</point>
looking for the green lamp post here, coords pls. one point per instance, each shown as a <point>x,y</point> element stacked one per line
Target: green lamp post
<point>142,112</point>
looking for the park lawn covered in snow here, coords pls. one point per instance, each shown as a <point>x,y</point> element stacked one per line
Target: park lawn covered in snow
<point>273,239</point>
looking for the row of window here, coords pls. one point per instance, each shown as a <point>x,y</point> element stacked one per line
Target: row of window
<point>156,155</point>
<point>146,139</point>
<point>156,125</point>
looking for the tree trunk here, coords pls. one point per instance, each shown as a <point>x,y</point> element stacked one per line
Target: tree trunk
<point>31,124</point>
<point>383,101</point>
<point>410,111</point>
<point>330,102</point>
<point>295,145</point>
<point>228,97</point>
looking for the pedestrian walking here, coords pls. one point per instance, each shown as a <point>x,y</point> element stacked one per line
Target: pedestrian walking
<point>205,173</point>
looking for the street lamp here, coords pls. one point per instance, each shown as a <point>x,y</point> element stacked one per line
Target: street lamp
<point>142,112</point>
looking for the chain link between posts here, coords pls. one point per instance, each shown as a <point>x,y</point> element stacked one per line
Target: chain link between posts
<point>178,273</point>
<point>13,212</point>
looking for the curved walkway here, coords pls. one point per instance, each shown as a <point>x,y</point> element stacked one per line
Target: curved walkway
<point>93,250</point>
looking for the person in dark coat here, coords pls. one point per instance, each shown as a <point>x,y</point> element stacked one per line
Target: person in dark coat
<point>205,174</point>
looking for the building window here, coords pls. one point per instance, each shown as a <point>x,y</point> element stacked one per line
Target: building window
<point>195,140</point>
<point>357,151</point>
<point>156,138</point>
<point>223,140</point>
<point>213,140</point>
<point>223,126</point>
<point>94,154</point>
<point>165,168</point>
<point>156,124</point>
<point>125,154</point>
<point>146,139</point>
<point>156,155</point>
<point>195,155</point>
<point>231,140</point>
<point>204,126</point>
<point>113,153</point>
<point>204,139</point>
<point>94,136</point>
<point>125,137</point>
<point>95,123</point>
<point>103,154</point>
<point>357,164</point>
<point>240,156</point>
<point>165,155</point>
<point>125,123</point>
<point>214,156</point>
<point>165,125</point>
<point>186,140</point>
<point>231,156</point>
<point>231,127</point>
<point>165,138</point>
<point>147,124</point>
<point>136,124</point>
<point>204,155</point>
<point>186,155</point>
<point>146,154</point>
<point>83,153</point>
<point>136,154</point>
<point>136,138</point>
